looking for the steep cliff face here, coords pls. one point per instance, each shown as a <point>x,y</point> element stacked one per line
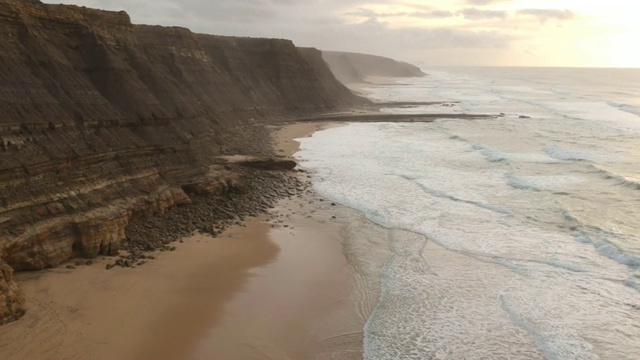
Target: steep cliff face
<point>355,68</point>
<point>281,74</point>
<point>100,119</point>
<point>327,78</point>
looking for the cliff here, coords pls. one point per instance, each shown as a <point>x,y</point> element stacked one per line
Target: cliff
<point>101,119</point>
<point>355,68</point>
<point>327,78</point>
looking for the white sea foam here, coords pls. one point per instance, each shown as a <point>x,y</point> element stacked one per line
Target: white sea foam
<point>565,154</point>
<point>490,155</point>
<point>519,183</point>
<point>620,179</point>
<point>598,112</point>
<point>626,107</point>
<point>610,251</point>
<point>510,238</point>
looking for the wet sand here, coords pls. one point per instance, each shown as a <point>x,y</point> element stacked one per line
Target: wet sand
<point>279,287</point>
<point>291,307</point>
<point>154,311</point>
<point>305,303</point>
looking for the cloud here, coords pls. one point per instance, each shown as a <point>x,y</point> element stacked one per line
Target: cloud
<point>395,40</point>
<point>546,14</point>
<point>441,14</point>
<point>480,2</point>
<point>486,2</point>
<point>479,14</point>
<point>322,24</point>
<point>368,13</point>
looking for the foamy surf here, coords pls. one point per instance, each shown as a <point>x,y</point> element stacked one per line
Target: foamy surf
<point>509,238</point>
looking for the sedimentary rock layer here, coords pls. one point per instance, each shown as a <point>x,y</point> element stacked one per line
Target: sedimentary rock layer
<point>101,119</point>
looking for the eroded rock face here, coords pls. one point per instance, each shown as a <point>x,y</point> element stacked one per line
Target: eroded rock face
<point>102,119</point>
<point>100,231</point>
<point>11,297</point>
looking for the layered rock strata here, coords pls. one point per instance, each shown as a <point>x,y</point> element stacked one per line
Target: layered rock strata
<point>101,120</point>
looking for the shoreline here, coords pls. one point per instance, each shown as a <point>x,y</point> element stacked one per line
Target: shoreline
<point>183,305</point>
<point>391,117</point>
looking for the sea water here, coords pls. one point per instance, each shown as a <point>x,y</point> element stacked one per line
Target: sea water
<point>515,237</point>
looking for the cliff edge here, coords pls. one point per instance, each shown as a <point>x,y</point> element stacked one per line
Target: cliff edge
<point>352,68</point>
<point>101,119</point>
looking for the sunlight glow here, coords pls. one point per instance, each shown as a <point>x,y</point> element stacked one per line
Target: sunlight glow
<point>572,33</point>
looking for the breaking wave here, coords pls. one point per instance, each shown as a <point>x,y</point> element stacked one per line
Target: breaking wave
<point>559,153</point>
<point>625,107</point>
<point>520,184</point>
<point>489,154</point>
<point>619,179</point>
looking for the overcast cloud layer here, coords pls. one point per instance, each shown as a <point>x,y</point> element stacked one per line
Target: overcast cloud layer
<point>462,32</point>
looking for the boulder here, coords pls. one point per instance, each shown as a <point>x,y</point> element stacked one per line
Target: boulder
<point>11,297</point>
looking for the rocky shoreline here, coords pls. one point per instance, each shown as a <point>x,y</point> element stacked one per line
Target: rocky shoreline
<point>256,193</point>
<point>236,187</point>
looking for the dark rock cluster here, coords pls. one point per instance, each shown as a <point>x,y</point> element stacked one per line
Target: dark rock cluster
<point>260,190</point>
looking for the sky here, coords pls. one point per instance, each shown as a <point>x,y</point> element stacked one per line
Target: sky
<point>575,33</point>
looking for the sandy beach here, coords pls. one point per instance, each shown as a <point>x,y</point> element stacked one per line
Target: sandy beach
<point>277,287</point>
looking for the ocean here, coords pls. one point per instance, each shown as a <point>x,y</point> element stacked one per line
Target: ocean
<point>516,237</point>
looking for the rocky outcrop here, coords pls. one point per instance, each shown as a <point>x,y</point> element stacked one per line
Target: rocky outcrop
<point>355,68</point>
<point>101,119</point>
<point>11,297</point>
<point>259,162</point>
<point>86,234</point>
